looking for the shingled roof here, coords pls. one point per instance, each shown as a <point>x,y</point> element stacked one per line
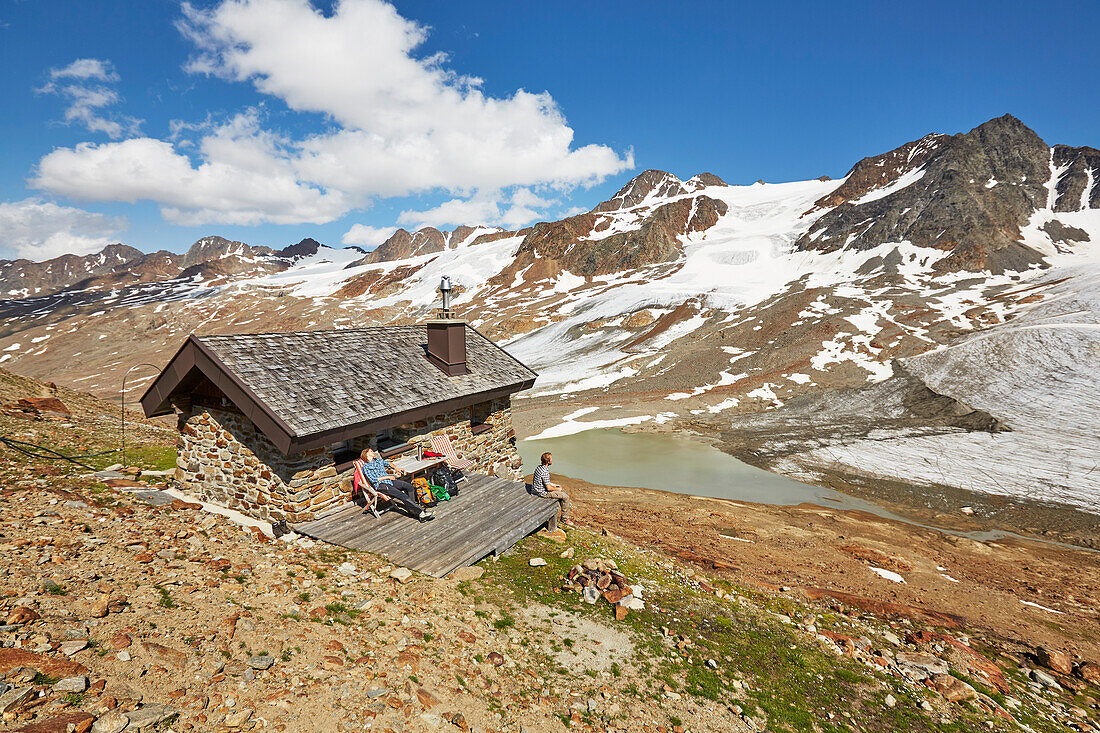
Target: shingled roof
<point>312,388</point>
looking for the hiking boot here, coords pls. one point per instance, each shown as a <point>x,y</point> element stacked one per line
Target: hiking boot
<point>426,516</point>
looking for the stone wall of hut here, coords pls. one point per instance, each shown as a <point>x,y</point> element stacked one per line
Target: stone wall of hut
<point>224,459</point>
<point>491,448</point>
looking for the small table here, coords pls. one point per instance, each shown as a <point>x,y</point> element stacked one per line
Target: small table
<point>411,466</point>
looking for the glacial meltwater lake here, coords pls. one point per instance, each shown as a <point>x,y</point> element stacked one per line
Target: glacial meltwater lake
<point>684,465</point>
<point>672,462</point>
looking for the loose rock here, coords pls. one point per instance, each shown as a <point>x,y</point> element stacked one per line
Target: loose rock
<point>471,572</point>
<point>71,684</point>
<point>1055,660</point>
<point>113,722</point>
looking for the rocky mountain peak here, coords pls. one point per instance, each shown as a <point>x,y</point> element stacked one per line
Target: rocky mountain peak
<point>305,248</point>
<point>207,248</point>
<point>647,184</point>
<point>707,179</point>
<point>1007,125</point>
<point>118,253</point>
<point>20,278</point>
<point>581,244</point>
<point>403,243</point>
<point>967,194</point>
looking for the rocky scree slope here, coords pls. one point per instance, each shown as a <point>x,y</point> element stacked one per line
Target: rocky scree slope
<point>127,609</point>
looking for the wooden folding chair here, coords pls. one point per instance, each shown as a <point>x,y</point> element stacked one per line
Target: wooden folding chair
<point>360,483</point>
<point>441,444</point>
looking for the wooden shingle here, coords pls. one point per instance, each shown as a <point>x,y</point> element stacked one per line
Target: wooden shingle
<point>309,388</point>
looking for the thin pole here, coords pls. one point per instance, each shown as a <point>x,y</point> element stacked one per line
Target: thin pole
<point>124,376</point>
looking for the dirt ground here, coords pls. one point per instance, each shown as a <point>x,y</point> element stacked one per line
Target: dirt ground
<point>812,550</point>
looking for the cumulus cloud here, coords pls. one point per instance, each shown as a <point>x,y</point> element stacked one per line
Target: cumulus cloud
<point>495,208</point>
<point>365,235</point>
<point>84,85</point>
<point>246,178</point>
<point>40,230</point>
<point>400,122</point>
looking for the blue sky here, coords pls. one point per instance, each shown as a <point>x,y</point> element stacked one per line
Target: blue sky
<point>155,123</point>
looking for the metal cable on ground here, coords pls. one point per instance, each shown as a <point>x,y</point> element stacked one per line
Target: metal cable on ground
<point>25,448</point>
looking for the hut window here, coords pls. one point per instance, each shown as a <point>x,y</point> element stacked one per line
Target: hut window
<point>342,455</point>
<point>479,417</point>
<point>390,445</point>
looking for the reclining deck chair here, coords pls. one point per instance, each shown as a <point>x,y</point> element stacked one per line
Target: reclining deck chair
<point>371,495</point>
<point>441,444</point>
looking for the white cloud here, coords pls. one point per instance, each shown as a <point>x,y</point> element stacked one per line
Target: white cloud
<point>88,69</point>
<point>401,122</point>
<point>88,95</point>
<point>41,230</point>
<point>472,211</point>
<point>492,208</point>
<point>365,235</point>
<point>245,178</point>
<point>527,197</point>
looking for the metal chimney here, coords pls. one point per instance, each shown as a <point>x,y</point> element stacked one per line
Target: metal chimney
<point>445,289</point>
<point>447,337</point>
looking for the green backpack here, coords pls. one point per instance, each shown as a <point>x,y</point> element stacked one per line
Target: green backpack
<point>440,493</point>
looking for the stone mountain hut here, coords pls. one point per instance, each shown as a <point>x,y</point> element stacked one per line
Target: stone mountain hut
<point>271,423</point>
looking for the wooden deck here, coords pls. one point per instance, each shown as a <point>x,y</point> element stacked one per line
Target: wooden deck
<point>488,516</point>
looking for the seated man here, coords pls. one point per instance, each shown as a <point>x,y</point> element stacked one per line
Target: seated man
<point>541,486</point>
<point>376,472</point>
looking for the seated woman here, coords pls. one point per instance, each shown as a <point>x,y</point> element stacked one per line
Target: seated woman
<point>376,472</point>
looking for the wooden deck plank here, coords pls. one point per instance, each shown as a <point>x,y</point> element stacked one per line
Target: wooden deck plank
<point>472,552</point>
<point>488,515</point>
<point>472,540</point>
<point>477,516</point>
<point>382,534</point>
<point>402,533</point>
<point>516,528</point>
<point>449,516</point>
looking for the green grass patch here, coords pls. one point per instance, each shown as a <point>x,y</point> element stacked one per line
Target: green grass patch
<point>788,679</point>
<point>166,600</point>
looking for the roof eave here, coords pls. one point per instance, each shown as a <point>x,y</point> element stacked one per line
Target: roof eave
<point>195,355</point>
<point>349,432</point>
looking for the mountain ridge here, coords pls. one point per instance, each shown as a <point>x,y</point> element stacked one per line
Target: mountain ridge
<point>120,264</point>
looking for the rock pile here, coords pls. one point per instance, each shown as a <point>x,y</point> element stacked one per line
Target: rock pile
<point>600,578</point>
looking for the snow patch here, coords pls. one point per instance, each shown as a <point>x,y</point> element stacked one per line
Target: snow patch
<point>571,427</point>
<point>903,181</point>
<point>887,574</point>
<point>1044,608</point>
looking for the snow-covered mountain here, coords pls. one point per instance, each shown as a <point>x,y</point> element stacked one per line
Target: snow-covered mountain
<point>688,301</point>
<point>118,265</point>
<point>22,278</point>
